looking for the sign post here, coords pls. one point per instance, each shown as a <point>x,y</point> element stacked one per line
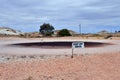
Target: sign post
<point>76,45</point>
<point>72,53</point>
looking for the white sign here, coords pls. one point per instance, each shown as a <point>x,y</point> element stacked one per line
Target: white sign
<point>78,45</point>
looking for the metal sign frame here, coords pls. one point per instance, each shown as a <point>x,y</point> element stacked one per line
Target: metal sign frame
<point>77,45</point>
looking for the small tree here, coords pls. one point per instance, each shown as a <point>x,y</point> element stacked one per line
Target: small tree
<point>64,32</point>
<point>46,29</point>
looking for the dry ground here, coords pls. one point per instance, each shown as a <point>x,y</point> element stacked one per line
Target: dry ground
<point>103,66</point>
<point>85,67</point>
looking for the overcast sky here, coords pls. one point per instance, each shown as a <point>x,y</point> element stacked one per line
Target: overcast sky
<point>93,15</point>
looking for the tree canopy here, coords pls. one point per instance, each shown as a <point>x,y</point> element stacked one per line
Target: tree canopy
<point>46,29</point>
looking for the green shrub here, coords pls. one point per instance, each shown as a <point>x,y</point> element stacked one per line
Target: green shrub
<point>63,32</point>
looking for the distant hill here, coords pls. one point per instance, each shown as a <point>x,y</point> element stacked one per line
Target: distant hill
<point>9,31</point>
<point>103,32</point>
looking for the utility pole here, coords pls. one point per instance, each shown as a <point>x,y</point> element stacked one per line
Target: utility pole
<point>79,28</point>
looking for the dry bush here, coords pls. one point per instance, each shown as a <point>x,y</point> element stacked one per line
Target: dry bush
<point>29,78</point>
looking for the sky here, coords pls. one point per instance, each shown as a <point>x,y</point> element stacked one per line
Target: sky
<point>93,15</point>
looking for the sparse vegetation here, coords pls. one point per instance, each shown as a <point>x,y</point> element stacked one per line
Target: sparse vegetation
<point>96,35</point>
<point>108,36</point>
<point>29,78</point>
<point>23,56</point>
<point>32,56</point>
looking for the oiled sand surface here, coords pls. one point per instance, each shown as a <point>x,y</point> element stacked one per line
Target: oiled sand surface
<point>7,49</point>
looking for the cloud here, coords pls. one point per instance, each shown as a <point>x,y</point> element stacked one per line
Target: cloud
<point>62,13</point>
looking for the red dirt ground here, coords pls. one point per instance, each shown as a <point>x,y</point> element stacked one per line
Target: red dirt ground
<point>84,67</point>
